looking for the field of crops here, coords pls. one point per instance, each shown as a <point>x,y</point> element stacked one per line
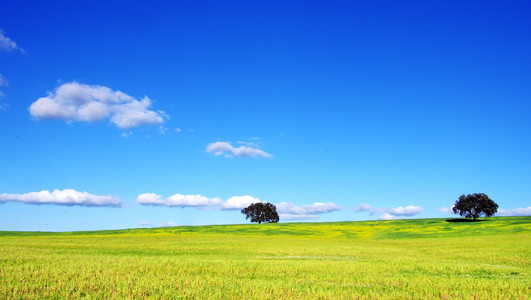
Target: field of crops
<point>418,259</point>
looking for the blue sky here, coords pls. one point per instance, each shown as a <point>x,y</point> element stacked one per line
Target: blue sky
<point>140,114</point>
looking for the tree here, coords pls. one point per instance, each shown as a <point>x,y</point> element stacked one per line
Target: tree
<point>261,212</point>
<point>474,205</point>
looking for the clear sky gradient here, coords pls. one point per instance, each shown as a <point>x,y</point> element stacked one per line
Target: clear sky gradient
<point>130,114</point>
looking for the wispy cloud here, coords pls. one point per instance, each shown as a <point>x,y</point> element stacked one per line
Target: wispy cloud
<point>3,83</point>
<point>6,44</point>
<point>520,211</point>
<point>145,223</point>
<point>227,150</point>
<point>290,211</point>
<point>390,213</point>
<point>163,130</point>
<point>74,101</point>
<point>62,197</point>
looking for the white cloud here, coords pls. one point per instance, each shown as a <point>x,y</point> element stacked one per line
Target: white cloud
<point>407,211</point>
<point>178,200</point>
<point>316,208</point>
<point>290,211</point>
<point>74,101</point>
<point>520,211</point>
<point>178,130</point>
<point>6,44</point>
<point>390,213</point>
<point>169,224</point>
<point>239,202</point>
<point>64,197</point>
<point>227,150</point>
<point>197,201</point>
<point>387,216</point>
<point>145,223</point>
<point>286,211</point>
<point>445,209</point>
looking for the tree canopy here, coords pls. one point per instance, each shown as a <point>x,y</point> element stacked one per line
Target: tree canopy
<point>261,212</point>
<point>475,205</point>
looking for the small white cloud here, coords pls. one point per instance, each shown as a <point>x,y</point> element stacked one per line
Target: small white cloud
<point>316,208</point>
<point>290,211</point>
<point>390,213</point>
<point>64,197</point>
<point>407,211</point>
<point>178,200</point>
<point>238,202</point>
<point>169,224</point>
<point>178,130</point>
<point>520,211</point>
<point>445,209</point>
<point>6,44</point>
<point>227,150</point>
<point>74,101</point>
<point>387,216</point>
<point>144,223</point>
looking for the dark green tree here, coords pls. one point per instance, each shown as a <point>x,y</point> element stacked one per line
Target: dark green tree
<point>475,205</point>
<point>261,212</point>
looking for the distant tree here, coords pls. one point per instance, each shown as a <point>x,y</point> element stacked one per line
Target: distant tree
<point>475,205</point>
<point>261,212</point>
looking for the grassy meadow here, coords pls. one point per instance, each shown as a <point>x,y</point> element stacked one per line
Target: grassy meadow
<point>417,259</point>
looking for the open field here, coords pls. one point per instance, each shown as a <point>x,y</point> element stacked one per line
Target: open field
<point>417,259</point>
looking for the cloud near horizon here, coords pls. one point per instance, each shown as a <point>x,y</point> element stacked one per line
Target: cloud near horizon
<point>445,209</point>
<point>290,211</point>
<point>390,213</point>
<point>79,102</point>
<point>286,211</point>
<point>197,201</point>
<point>62,197</point>
<point>227,150</point>
<point>520,211</point>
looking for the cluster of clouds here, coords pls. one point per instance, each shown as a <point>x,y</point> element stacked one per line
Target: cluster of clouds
<point>70,197</point>
<point>227,150</point>
<point>196,201</point>
<point>62,197</point>
<point>286,211</point>
<point>390,213</point>
<point>73,101</point>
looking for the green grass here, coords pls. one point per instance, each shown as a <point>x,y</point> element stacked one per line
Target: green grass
<point>415,259</point>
